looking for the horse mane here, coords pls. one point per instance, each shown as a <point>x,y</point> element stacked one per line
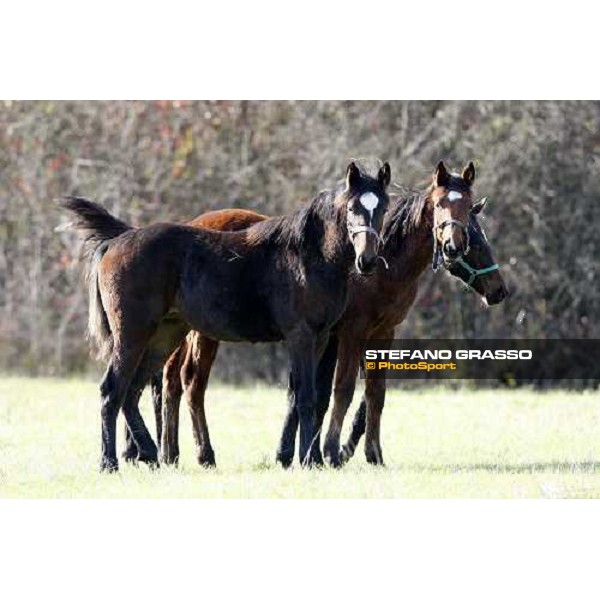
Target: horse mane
<point>303,226</point>
<point>405,212</point>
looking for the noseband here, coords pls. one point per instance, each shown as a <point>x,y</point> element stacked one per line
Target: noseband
<point>437,251</point>
<point>365,229</point>
<point>475,273</point>
<point>460,224</point>
<point>368,229</point>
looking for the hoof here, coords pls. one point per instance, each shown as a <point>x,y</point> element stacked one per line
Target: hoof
<point>317,458</point>
<point>206,459</point>
<point>109,465</point>
<point>169,456</point>
<point>150,459</point>
<point>285,459</point>
<point>335,461</point>
<point>130,455</point>
<point>345,454</point>
<point>332,455</point>
<point>170,460</point>
<point>309,463</point>
<point>375,459</point>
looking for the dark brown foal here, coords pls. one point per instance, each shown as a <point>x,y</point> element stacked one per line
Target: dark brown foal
<point>281,279</point>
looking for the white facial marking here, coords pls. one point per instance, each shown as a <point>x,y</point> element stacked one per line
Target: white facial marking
<point>455,174</point>
<point>370,202</point>
<point>452,196</point>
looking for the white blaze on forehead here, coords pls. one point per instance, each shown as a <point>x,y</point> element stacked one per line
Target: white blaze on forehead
<point>370,202</point>
<point>452,196</point>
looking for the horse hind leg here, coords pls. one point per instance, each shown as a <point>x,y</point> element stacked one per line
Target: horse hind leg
<point>147,450</point>
<point>171,398</point>
<point>195,373</point>
<point>130,452</point>
<point>156,391</point>
<point>165,340</point>
<point>113,390</point>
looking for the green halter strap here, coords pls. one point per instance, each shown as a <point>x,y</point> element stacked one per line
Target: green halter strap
<point>474,273</point>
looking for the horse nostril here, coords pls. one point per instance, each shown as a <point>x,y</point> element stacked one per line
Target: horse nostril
<point>497,296</point>
<point>365,265</point>
<point>450,250</point>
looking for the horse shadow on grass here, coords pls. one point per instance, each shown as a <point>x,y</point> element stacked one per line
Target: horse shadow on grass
<point>585,466</point>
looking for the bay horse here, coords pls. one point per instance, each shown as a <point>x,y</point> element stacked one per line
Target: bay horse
<point>281,279</point>
<point>412,240</point>
<point>387,296</point>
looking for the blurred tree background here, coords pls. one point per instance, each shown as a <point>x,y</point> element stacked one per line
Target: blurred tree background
<point>538,162</point>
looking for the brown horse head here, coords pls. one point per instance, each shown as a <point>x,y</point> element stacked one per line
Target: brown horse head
<point>478,269</point>
<point>366,200</point>
<point>452,198</point>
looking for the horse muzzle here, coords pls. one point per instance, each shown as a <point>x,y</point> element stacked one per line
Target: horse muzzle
<point>496,296</point>
<point>366,265</point>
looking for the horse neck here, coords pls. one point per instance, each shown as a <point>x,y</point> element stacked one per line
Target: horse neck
<point>327,237</point>
<point>409,255</point>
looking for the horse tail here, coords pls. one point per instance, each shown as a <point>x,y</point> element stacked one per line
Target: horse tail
<point>97,227</point>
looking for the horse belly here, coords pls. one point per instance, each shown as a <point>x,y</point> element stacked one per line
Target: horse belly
<point>222,312</point>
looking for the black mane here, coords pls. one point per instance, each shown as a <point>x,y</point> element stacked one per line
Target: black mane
<point>404,214</point>
<point>297,229</point>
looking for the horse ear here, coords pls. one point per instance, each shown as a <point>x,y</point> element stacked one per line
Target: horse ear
<point>352,176</point>
<point>385,175</point>
<point>441,176</point>
<point>478,206</point>
<point>468,173</point>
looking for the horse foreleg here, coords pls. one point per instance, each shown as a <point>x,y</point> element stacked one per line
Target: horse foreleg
<point>130,451</point>
<point>194,376</point>
<point>324,384</point>
<point>302,345</point>
<point>287,442</point>
<point>358,428</point>
<point>345,381</point>
<point>375,399</point>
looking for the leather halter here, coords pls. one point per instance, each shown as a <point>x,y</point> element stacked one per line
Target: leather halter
<point>437,251</point>
<point>364,229</point>
<point>368,229</point>
<point>460,224</point>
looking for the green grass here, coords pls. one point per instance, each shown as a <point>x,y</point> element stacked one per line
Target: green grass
<point>437,444</point>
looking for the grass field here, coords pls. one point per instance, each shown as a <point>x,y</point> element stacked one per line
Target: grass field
<point>437,444</point>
